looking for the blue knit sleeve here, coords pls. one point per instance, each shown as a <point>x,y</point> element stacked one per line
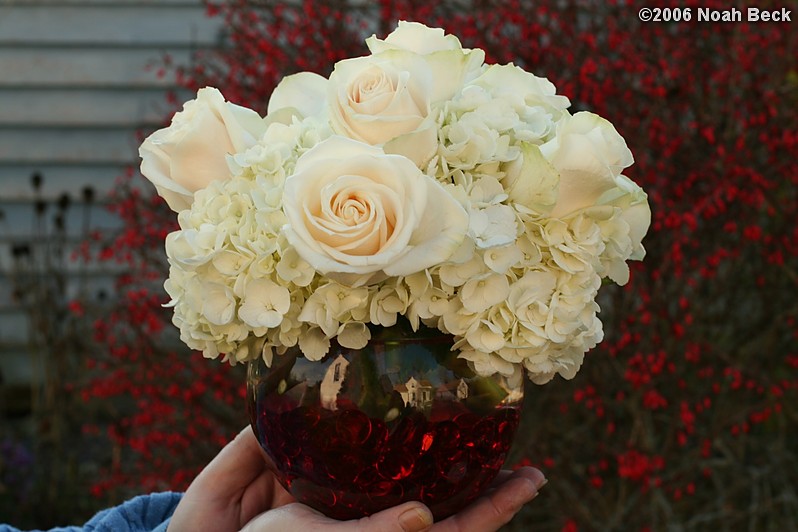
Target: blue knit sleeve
<point>145,513</point>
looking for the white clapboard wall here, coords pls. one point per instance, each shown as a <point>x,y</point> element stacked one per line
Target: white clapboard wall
<point>77,83</point>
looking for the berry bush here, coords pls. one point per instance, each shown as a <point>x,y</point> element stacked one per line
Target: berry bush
<point>685,416</point>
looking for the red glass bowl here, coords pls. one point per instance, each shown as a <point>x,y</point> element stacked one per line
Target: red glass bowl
<point>364,430</point>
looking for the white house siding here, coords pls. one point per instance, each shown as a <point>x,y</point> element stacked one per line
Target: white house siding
<point>77,83</point>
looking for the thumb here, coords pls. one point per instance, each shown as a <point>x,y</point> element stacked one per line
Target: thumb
<point>407,517</point>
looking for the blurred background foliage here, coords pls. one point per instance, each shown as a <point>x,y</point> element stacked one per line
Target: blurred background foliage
<point>684,418</point>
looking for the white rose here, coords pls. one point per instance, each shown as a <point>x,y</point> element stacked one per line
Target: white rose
<point>377,99</point>
<point>635,211</point>
<point>353,209</point>
<point>589,155</point>
<point>451,64</point>
<point>191,152</point>
<point>623,217</point>
<point>300,94</point>
<point>414,37</point>
<point>386,98</point>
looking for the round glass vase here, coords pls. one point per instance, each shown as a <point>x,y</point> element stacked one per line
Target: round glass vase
<point>401,419</point>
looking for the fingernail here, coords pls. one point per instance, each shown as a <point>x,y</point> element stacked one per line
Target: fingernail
<point>415,519</point>
<point>543,483</point>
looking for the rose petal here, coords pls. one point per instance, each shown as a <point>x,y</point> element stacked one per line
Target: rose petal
<point>304,92</point>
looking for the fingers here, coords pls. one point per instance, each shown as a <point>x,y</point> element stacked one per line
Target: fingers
<point>213,498</point>
<point>498,506</point>
<point>289,517</point>
<point>486,514</point>
<point>238,464</point>
<point>407,517</point>
<point>503,475</point>
<point>235,486</point>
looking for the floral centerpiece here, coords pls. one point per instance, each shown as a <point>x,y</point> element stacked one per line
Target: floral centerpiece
<point>415,183</point>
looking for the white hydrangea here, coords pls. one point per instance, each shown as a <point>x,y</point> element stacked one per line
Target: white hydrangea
<point>387,304</point>
<point>524,211</point>
<point>480,293</point>
<point>532,99</point>
<point>474,131</point>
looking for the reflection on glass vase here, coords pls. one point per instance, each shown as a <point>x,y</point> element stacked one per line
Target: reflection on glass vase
<point>401,419</point>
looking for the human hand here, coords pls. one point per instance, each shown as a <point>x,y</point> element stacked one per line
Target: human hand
<point>236,486</point>
<point>239,490</point>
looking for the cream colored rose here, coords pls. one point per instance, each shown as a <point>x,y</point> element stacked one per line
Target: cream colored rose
<point>376,99</point>
<point>415,37</point>
<point>191,152</point>
<point>635,212</point>
<point>301,94</point>
<point>624,229</point>
<point>386,98</point>
<point>451,64</point>
<point>352,209</point>
<point>589,155</point>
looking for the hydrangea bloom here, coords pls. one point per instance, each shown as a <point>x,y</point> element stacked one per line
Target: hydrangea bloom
<point>482,208</point>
